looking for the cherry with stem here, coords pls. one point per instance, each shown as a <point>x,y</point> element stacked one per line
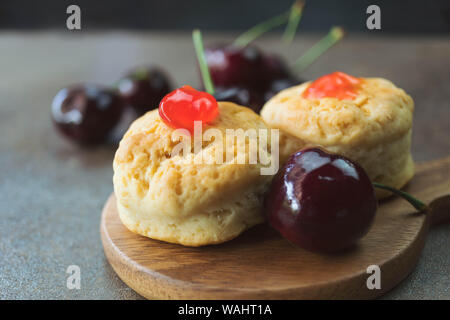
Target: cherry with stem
<point>334,35</point>
<point>324,202</point>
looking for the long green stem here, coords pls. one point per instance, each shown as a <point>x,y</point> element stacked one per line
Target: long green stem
<point>335,34</point>
<point>200,51</point>
<point>419,205</point>
<point>294,19</point>
<point>261,28</point>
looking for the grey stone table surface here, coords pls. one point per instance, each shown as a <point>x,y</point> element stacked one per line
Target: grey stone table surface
<point>52,193</point>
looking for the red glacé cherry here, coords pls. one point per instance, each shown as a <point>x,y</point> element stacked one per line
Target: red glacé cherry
<point>320,201</point>
<point>334,85</point>
<point>183,106</point>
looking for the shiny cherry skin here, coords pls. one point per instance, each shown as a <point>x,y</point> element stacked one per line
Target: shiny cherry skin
<point>143,88</point>
<point>321,202</point>
<point>235,66</point>
<point>280,84</point>
<point>275,68</point>
<point>241,96</point>
<point>86,113</point>
<point>182,107</point>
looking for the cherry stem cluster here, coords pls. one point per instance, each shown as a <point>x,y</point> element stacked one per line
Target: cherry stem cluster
<point>292,17</point>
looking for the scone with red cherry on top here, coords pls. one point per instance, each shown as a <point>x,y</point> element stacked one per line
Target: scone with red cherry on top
<point>368,120</point>
<point>189,198</point>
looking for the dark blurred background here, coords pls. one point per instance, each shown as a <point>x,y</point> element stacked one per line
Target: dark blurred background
<point>397,16</point>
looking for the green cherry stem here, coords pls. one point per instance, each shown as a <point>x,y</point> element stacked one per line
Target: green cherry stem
<point>295,16</point>
<point>292,17</point>
<point>200,51</point>
<point>334,35</point>
<point>261,28</point>
<point>419,205</point>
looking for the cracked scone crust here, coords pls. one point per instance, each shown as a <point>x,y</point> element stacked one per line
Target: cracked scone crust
<point>373,130</point>
<point>173,197</point>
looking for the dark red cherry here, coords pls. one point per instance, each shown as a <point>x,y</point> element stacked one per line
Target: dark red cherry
<point>86,114</point>
<point>275,68</point>
<point>278,85</point>
<point>321,201</point>
<point>235,66</point>
<point>143,88</point>
<point>241,96</point>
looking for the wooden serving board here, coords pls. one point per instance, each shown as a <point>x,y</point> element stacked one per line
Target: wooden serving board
<point>260,264</point>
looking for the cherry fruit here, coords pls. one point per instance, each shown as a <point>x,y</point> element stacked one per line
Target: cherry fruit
<point>275,68</point>
<point>278,85</point>
<point>246,75</point>
<point>321,201</point>
<point>235,66</point>
<point>183,106</point>
<point>86,113</point>
<point>143,88</point>
<point>241,96</point>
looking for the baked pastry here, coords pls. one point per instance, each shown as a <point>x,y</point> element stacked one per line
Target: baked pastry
<point>369,121</point>
<point>181,198</point>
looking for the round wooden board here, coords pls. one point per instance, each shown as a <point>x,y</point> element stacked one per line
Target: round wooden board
<point>260,264</point>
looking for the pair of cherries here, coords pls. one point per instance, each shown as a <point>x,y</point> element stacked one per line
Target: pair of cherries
<point>88,113</point>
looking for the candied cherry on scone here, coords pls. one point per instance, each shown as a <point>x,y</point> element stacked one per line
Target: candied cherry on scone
<point>143,88</point>
<point>320,201</point>
<point>185,105</point>
<point>86,113</point>
<point>337,85</point>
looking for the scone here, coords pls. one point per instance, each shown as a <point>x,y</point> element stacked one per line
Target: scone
<point>179,199</point>
<point>372,128</point>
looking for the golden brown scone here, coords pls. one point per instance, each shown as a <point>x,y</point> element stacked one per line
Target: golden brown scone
<point>174,197</point>
<point>288,144</point>
<point>374,129</point>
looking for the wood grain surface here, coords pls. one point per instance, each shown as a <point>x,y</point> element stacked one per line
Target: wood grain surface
<point>260,264</point>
